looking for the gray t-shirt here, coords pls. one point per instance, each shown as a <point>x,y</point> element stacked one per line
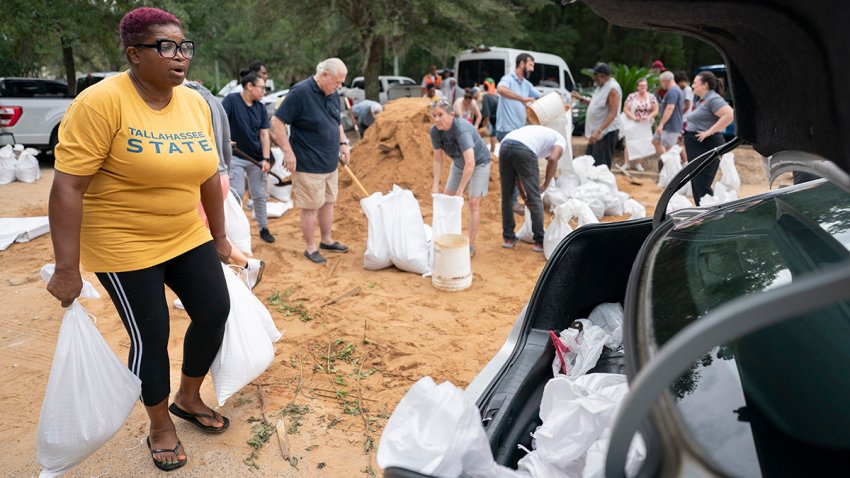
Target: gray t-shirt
<point>457,139</point>
<point>703,116</point>
<point>675,97</point>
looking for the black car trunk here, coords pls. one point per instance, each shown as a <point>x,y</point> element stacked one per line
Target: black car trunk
<point>589,268</point>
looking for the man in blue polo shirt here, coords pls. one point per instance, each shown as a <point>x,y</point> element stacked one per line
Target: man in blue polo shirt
<point>515,91</point>
<point>312,150</point>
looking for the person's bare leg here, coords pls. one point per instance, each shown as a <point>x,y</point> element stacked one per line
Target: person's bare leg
<point>163,435</point>
<point>493,142</point>
<point>474,219</point>
<point>308,229</point>
<point>626,158</point>
<point>326,220</point>
<point>188,398</point>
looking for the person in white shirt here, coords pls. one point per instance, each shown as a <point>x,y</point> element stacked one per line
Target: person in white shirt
<point>518,159</point>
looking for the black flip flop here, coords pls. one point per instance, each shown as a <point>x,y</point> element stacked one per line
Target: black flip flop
<point>193,419</point>
<point>167,466</point>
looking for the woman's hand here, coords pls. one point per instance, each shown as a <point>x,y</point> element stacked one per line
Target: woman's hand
<point>224,249</point>
<point>702,135</point>
<point>65,286</point>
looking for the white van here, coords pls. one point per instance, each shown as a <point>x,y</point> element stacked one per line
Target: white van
<point>551,72</point>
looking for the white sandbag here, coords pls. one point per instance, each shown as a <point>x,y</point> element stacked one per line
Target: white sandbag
<point>558,229</point>
<point>582,212</point>
<point>246,350</point>
<point>677,202</point>
<point>7,164</point>
<point>566,182</point>
<point>283,193</point>
<point>26,168</point>
<point>638,138</point>
<point>609,317</point>
<point>594,195</point>
<point>614,203</point>
<point>236,225</point>
<point>634,209</point>
<point>583,348</point>
<point>671,164</point>
<point>80,412</point>
<point>404,228</point>
<point>275,209</point>
<point>241,293</point>
<point>446,218</point>
<point>729,174</point>
<point>435,430</point>
<point>525,234</point>
<point>377,254</point>
<point>554,196</point>
<point>582,166</point>
<point>577,419</point>
<point>21,229</point>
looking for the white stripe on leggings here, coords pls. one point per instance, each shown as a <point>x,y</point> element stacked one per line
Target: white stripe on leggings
<point>135,335</point>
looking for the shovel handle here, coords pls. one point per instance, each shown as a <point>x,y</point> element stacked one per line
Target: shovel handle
<point>356,181</point>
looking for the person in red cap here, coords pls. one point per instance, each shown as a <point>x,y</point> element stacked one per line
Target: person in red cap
<point>656,69</point>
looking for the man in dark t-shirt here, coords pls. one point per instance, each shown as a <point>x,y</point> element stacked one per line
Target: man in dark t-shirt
<point>312,150</point>
<point>670,125</point>
<point>249,129</point>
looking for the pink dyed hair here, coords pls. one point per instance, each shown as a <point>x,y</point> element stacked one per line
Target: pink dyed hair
<point>134,26</point>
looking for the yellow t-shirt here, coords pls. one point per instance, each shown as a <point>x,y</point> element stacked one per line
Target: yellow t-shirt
<point>141,207</point>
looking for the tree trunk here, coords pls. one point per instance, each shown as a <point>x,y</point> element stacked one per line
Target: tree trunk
<point>374,62</point>
<point>70,66</point>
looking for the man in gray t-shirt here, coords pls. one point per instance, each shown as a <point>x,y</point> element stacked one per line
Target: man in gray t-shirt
<point>670,126</point>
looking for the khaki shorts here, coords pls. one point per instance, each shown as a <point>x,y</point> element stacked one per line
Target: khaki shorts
<point>312,191</point>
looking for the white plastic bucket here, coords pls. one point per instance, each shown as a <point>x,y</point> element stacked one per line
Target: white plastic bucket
<point>546,108</point>
<point>452,270</point>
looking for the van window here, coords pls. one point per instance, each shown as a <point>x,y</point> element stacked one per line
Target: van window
<point>357,84</point>
<point>472,72</point>
<point>545,75</point>
<point>568,81</point>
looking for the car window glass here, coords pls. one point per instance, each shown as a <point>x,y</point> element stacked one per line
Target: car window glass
<point>782,387</point>
<point>357,84</point>
<point>545,75</point>
<point>568,84</point>
<point>474,72</point>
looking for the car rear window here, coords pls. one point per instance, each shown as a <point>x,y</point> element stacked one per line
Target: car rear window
<point>782,388</point>
<point>26,88</point>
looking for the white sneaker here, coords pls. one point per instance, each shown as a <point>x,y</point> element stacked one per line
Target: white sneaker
<point>252,274</point>
<point>639,167</point>
<point>178,304</point>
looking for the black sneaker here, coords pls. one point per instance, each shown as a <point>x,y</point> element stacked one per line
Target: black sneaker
<point>266,235</point>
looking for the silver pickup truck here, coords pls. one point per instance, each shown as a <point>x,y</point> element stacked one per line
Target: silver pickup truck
<point>30,111</point>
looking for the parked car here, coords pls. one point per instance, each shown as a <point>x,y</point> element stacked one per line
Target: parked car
<point>90,79</point>
<point>356,90</point>
<point>737,316</point>
<point>30,111</point>
<point>551,72</point>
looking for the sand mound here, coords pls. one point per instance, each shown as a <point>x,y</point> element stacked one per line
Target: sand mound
<point>396,149</point>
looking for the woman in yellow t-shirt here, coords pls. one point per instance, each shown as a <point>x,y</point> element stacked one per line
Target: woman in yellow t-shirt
<point>136,153</point>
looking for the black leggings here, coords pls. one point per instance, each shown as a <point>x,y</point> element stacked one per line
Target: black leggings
<point>701,183</point>
<point>197,278</point>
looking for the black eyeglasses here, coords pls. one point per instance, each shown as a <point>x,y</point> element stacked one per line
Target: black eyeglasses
<point>168,48</point>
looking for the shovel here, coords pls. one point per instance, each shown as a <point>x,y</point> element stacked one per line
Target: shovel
<point>243,155</point>
<point>354,178</point>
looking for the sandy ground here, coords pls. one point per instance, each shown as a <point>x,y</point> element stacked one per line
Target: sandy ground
<point>340,367</point>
